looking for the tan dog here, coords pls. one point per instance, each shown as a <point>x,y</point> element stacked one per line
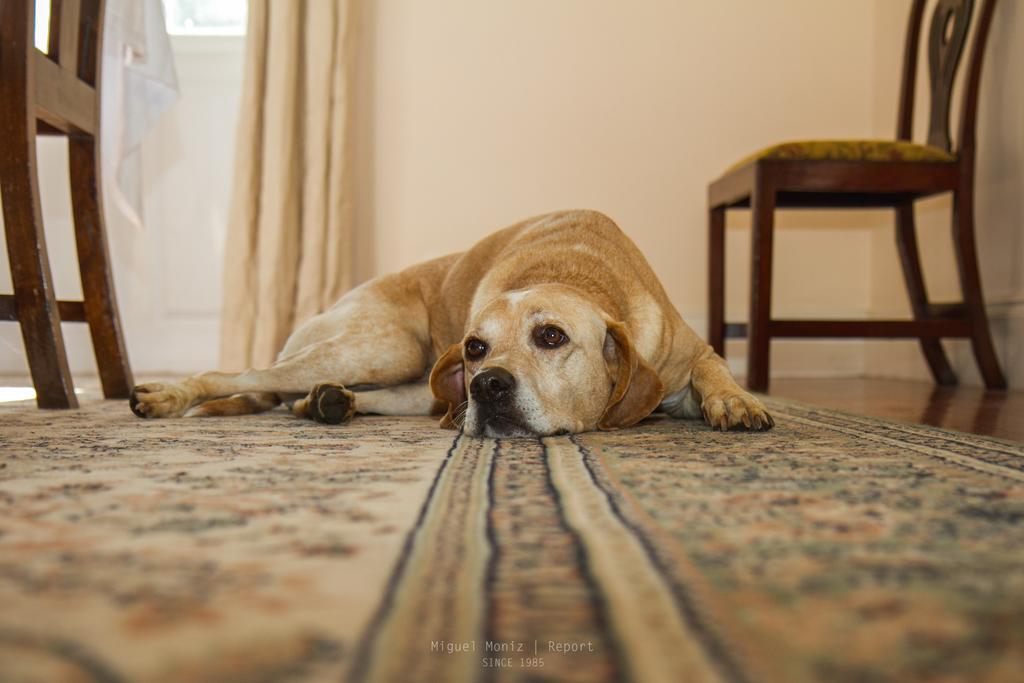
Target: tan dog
<point>554,325</point>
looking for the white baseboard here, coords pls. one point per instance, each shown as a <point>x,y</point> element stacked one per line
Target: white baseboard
<point>903,359</point>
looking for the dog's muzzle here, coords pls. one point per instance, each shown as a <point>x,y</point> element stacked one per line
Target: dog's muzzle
<point>493,391</point>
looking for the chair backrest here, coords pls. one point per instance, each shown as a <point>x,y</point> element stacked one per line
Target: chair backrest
<point>60,85</point>
<point>74,36</point>
<point>947,36</point>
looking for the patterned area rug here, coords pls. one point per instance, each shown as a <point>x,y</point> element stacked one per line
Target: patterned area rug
<point>264,548</point>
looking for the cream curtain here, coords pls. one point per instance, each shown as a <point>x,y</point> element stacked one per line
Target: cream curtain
<point>288,248</point>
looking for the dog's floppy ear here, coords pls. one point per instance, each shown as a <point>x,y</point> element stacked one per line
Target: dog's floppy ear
<point>448,382</point>
<point>638,389</point>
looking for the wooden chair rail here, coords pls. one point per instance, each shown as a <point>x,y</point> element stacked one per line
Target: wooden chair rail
<point>878,329</point>
<point>69,311</point>
<point>836,184</point>
<point>63,100</point>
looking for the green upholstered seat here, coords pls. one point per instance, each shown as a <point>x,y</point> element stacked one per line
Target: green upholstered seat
<point>849,150</point>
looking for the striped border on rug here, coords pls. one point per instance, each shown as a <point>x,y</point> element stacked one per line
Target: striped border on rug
<point>658,642</point>
<point>538,546</point>
<point>650,607</point>
<point>435,594</point>
<point>737,659</point>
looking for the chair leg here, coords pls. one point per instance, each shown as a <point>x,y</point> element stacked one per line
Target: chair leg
<point>30,266</point>
<point>758,341</point>
<point>94,266</point>
<point>970,283</point>
<point>23,218</point>
<point>906,243</point>
<point>716,279</point>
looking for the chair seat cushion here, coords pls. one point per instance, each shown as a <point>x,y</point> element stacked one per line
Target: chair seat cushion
<point>849,150</point>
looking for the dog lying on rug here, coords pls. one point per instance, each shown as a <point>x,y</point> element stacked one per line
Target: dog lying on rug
<point>555,325</point>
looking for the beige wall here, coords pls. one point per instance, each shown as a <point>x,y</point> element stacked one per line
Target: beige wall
<point>477,114</point>
<point>1000,201</point>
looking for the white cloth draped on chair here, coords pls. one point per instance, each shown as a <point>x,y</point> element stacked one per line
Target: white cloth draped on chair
<point>289,236</point>
<point>139,84</point>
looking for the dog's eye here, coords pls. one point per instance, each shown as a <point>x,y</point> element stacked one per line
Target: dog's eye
<point>475,349</point>
<point>549,337</point>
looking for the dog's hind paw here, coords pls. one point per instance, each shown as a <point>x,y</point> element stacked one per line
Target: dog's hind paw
<point>159,400</point>
<point>331,403</point>
<point>736,410</point>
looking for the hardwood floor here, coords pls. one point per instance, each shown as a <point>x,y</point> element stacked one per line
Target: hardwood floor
<point>967,409</point>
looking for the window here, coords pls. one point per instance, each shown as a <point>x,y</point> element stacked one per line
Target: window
<point>42,36</point>
<point>184,17</point>
<point>206,17</point>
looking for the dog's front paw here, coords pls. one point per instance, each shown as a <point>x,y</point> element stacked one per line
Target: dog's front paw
<point>726,410</point>
<point>331,403</point>
<point>160,400</point>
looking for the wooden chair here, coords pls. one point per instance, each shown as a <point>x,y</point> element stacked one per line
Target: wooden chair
<point>56,93</point>
<point>859,174</point>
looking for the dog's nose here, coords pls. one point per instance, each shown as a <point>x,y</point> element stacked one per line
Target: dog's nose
<point>492,385</point>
